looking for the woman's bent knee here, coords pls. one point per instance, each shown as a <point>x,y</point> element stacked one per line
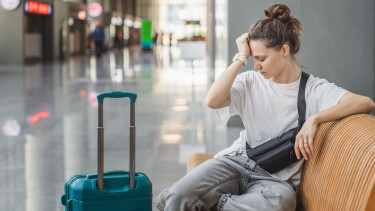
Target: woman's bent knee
<point>176,198</point>
<point>202,187</point>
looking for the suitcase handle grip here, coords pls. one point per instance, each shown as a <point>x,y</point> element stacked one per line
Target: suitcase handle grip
<point>108,173</point>
<point>116,94</point>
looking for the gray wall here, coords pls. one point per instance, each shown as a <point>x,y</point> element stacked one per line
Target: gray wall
<point>11,34</point>
<point>337,39</point>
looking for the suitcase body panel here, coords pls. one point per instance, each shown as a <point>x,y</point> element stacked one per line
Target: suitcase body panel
<point>81,193</point>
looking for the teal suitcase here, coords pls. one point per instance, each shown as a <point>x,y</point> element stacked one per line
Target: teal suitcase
<point>112,190</point>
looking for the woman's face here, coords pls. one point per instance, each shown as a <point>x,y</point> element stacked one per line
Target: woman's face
<point>267,61</point>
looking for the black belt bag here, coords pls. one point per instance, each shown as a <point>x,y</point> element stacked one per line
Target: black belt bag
<point>278,153</point>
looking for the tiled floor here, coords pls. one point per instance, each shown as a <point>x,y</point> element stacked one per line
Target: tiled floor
<point>48,121</point>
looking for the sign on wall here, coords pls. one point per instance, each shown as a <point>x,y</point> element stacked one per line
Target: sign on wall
<point>10,4</point>
<point>38,8</point>
<point>95,9</point>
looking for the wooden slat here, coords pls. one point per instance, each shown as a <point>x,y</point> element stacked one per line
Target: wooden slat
<point>196,159</point>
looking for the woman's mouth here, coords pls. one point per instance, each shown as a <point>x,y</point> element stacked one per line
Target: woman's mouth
<point>263,73</point>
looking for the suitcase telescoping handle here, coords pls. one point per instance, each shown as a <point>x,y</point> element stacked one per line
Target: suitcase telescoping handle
<point>100,98</point>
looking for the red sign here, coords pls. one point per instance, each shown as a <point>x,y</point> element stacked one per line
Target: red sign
<point>95,9</point>
<point>37,7</point>
<point>36,117</point>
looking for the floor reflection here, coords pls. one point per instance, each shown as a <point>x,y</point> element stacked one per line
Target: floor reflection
<point>49,120</point>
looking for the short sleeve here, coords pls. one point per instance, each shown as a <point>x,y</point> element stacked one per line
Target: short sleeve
<point>325,94</point>
<point>236,96</point>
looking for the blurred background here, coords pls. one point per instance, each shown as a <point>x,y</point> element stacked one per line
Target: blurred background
<point>57,55</point>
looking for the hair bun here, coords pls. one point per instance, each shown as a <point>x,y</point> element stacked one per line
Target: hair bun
<point>278,11</point>
<point>281,12</point>
<point>275,33</point>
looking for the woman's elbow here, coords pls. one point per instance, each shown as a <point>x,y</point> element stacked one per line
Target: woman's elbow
<point>370,105</point>
<point>209,103</point>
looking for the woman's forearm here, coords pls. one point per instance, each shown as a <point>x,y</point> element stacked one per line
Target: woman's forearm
<point>348,105</point>
<point>219,91</point>
<point>218,94</point>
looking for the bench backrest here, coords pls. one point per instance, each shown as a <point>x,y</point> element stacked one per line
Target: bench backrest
<point>341,175</point>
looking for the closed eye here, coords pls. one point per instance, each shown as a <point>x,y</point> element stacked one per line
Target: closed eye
<point>260,58</point>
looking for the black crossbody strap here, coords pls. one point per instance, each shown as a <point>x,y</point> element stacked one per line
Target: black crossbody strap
<point>301,104</point>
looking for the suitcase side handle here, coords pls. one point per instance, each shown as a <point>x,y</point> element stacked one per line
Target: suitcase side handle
<point>100,98</point>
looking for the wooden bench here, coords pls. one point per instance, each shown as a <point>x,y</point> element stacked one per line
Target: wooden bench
<point>341,175</point>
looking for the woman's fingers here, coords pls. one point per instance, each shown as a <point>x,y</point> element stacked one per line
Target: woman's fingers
<point>243,38</point>
<point>302,149</point>
<point>243,45</point>
<point>296,149</point>
<point>305,139</point>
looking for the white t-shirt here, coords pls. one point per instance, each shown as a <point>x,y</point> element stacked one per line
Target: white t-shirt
<point>268,109</point>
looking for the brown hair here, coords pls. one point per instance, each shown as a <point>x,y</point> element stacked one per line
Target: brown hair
<point>277,29</point>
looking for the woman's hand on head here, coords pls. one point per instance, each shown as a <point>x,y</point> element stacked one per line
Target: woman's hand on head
<point>303,145</point>
<point>243,45</point>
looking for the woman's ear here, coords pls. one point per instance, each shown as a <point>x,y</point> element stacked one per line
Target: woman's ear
<point>285,50</point>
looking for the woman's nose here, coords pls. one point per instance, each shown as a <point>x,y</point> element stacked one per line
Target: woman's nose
<point>256,65</point>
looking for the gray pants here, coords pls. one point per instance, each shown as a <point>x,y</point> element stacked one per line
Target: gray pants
<point>228,183</point>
